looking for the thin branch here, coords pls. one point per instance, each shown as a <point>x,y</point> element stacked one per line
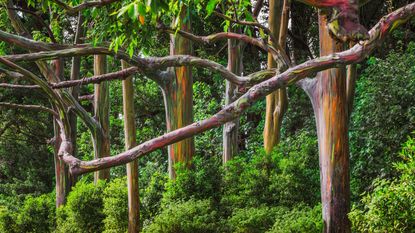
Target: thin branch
<point>235,109</point>
<point>15,86</point>
<point>119,75</point>
<point>29,107</point>
<point>278,53</point>
<point>75,9</point>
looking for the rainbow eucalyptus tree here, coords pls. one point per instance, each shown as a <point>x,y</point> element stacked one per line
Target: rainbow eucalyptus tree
<point>276,102</point>
<point>178,95</point>
<point>328,92</point>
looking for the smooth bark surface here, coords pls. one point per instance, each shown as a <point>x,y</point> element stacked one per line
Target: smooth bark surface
<point>328,96</point>
<point>130,142</point>
<point>276,102</point>
<point>101,109</point>
<point>178,100</point>
<point>231,129</point>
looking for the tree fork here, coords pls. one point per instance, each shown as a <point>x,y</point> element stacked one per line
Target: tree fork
<point>276,102</point>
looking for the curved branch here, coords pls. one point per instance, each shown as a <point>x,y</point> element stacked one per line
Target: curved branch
<point>29,107</point>
<point>235,109</point>
<point>75,9</point>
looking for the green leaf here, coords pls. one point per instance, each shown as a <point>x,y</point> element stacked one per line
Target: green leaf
<point>211,6</point>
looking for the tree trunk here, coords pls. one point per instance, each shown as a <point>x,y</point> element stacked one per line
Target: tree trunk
<point>62,177</point>
<point>101,107</point>
<point>276,102</point>
<point>130,141</point>
<point>231,129</point>
<point>328,96</point>
<point>178,99</point>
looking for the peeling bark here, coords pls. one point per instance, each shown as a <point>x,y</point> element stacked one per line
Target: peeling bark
<point>328,96</point>
<point>178,100</point>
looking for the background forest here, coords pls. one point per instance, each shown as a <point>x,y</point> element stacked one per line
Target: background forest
<point>255,191</point>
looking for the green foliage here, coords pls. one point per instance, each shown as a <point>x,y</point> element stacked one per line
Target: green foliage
<point>83,211</point>
<point>287,177</point>
<point>383,116</point>
<point>253,220</point>
<point>116,206</point>
<point>35,215</point>
<point>300,219</point>
<point>185,217</point>
<point>390,207</point>
<point>201,181</point>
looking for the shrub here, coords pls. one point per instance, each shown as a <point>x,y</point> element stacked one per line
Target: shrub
<point>390,207</point>
<point>383,116</point>
<point>83,211</point>
<point>151,195</point>
<point>37,214</point>
<point>116,206</point>
<point>253,220</point>
<point>201,181</point>
<point>185,217</point>
<point>7,220</point>
<point>287,177</point>
<point>300,219</point>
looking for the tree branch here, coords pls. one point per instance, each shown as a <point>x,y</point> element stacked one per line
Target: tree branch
<point>29,107</point>
<point>75,9</point>
<point>15,86</point>
<point>235,109</point>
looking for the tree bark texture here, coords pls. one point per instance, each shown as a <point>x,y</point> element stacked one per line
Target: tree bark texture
<point>276,102</point>
<point>328,96</point>
<point>101,108</point>
<point>178,99</point>
<point>130,142</point>
<point>231,129</point>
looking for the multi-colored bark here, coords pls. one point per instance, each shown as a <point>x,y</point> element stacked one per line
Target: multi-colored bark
<point>328,94</point>
<point>178,99</point>
<point>344,23</point>
<point>231,129</point>
<point>101,110</point>
<point>276,102</point>
<point>130,142</point>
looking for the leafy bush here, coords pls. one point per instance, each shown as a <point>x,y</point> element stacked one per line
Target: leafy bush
<point>151,195</point>
<point>7,220</point>
<point>37,214</point>
<point>116,206</point>
<point>253,220</point>
<point>83,211</point>
<point>287,177</point>
<point>383,116</point>
<point>201,181</point>
<point>300,219</point>
<point>391,205</point>
<point>185,217</point>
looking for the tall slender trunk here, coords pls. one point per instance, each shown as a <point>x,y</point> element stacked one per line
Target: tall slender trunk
<point>276,102</point>
<point>328,96</point>
<point>62,177</point>
<point>178,99</point>
<point>130,141</point>
<point>101,107</point>
<point>231,129</point>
